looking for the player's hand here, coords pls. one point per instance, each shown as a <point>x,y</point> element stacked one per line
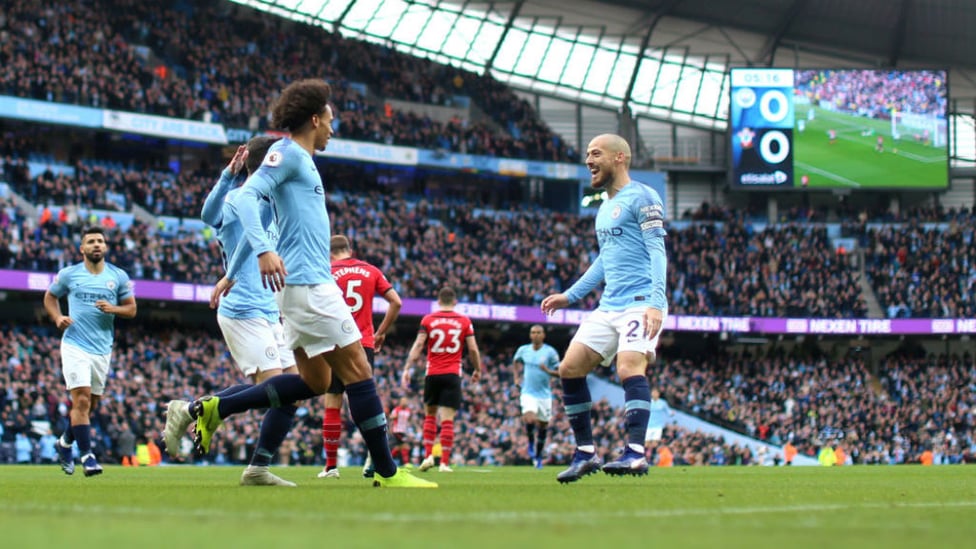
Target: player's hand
<point>653,320</point>
<point>378,340</point>
<point>405,379</point>
<point>237,163</point>
<point>554,302</point>
<point>104,306</point>
<point>476,375</point>
<point>221,289</point>
<point>273,271</point>
<point>63,322</point>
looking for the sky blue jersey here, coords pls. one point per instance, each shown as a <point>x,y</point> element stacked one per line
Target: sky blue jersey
<point>92,330</point>
<point>288,176</point>
<point>659,413</point>
<point>535,381</point>
<point>632,259</point>
<point>249,299</point>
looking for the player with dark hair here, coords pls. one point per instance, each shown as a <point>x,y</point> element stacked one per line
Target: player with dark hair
<point>97,292</point>
<point>317,323</point>
<point>533,367</point>
<point>359,282</point>
<point>627,323</point>
<point>248,318</point>
<point>442,333</point>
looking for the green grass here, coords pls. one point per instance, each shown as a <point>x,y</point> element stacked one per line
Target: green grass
<point>190,507</point>
<point>852,162</point>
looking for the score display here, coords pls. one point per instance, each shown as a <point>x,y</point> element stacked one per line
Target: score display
<point>838,129</point>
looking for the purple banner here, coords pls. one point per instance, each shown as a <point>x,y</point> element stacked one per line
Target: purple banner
<point>168,291</point>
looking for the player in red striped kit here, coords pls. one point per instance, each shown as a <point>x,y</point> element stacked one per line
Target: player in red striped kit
<point>400,427</point>
<point>444,333</point>
<point>359,282</point>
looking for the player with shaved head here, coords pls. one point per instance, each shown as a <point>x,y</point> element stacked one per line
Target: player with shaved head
<point>626,325</point>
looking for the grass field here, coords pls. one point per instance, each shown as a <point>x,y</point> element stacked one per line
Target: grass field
<point>852,162</point>
<point>907,506</point>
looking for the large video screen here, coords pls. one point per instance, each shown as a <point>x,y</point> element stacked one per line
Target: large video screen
<point>839,129</point>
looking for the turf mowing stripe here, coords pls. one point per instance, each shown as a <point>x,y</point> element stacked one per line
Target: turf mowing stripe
<point>588,516</point>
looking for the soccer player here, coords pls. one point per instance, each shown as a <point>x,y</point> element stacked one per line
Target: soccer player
<point>444,333</point>
<point>248,319</point>
<point>97,292</point>
<point>317,323</point>
<point>400,417</point>
<point>879,146</point>
<point>359,282</point>
<point>656,421</point>
<point>628,320</point>
<point>539,362</point>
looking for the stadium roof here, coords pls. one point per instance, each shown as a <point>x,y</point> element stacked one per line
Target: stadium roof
<point>665,59</point>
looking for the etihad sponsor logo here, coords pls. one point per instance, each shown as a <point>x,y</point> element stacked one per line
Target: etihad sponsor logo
<point>776,178</point>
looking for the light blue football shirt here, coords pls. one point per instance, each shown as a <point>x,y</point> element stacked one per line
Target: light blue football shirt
<point>288,176</point>
<point>92,330</point>
<point>632,260</point>
<point>535,381</point>
<point>659,412</point>
<point>249,299</point>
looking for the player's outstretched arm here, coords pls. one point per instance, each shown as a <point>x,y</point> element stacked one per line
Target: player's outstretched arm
<point>590,279</point>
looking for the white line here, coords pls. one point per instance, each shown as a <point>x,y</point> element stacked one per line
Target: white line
<point>825,173</point>
<point>490,517</point>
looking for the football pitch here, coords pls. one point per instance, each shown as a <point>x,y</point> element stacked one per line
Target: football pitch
<point>852,162</point>
<point>203,507</point>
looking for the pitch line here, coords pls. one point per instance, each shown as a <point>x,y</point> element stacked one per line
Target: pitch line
<point>825,173</point>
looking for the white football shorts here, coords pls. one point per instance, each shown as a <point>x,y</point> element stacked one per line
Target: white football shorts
<point>316,318</point>
<point>257,344</point>
<point>541,407</point>
<point>83,369</point>
<point>654,434</point>
<point>610,332</point>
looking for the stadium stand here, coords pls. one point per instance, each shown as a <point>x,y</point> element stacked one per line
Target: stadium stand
<point>196,60</point>
<point>209,60</point>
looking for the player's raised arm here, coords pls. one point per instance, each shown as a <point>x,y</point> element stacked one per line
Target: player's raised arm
<point>274,170</point>
<point>212,206</point>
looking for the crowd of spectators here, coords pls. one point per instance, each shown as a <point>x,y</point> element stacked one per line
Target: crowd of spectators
<point>914,404</point>
<point>876,93</point>
<point>513,256</point>
<point>213,60</point>
<point>782,270</point>
<point>927,272</point>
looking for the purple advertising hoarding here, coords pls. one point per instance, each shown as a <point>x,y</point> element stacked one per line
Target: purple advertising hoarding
<point>169,291</point>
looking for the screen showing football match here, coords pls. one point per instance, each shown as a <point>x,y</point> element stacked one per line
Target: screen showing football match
<point>830,129</point>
